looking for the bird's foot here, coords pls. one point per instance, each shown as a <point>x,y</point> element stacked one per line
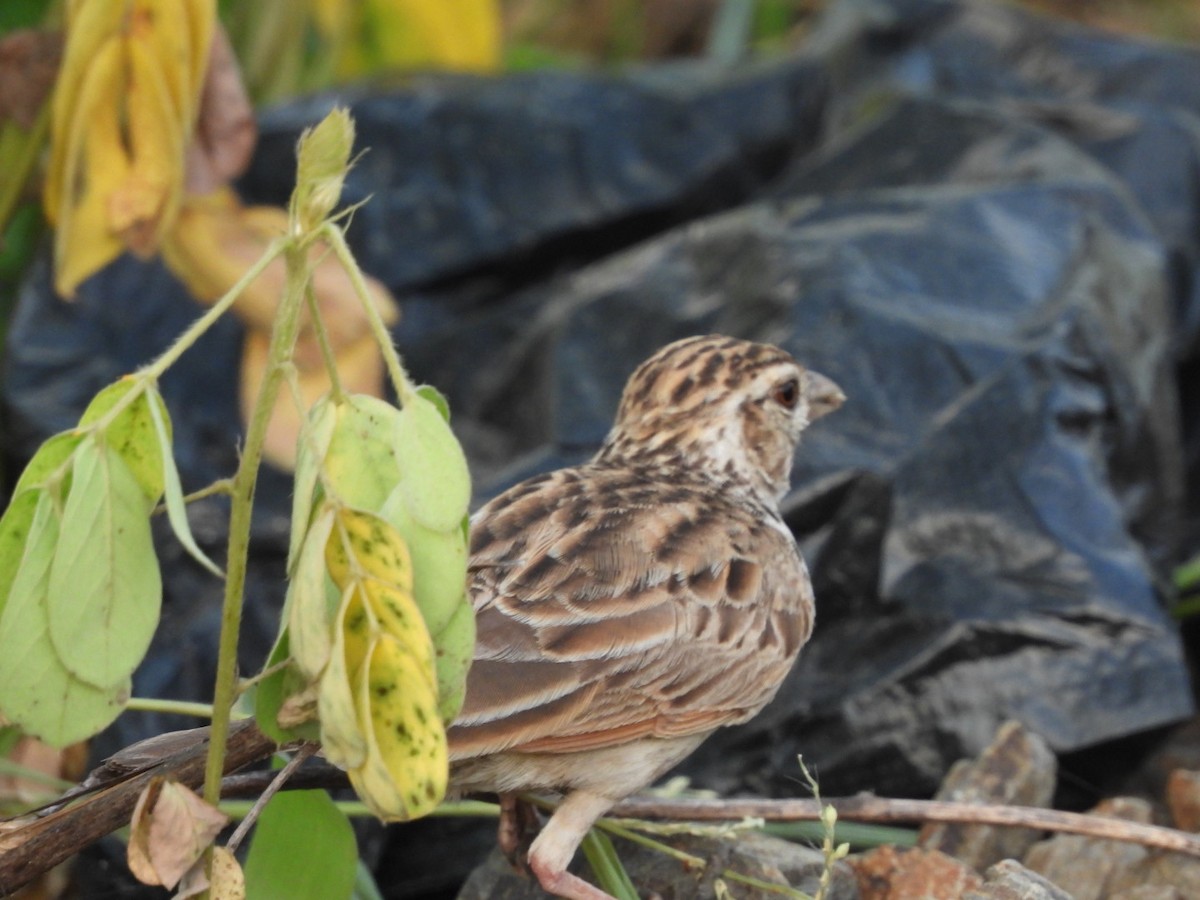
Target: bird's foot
<point>516,831</point>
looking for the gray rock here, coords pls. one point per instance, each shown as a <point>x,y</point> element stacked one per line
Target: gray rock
<point>1009,880</point>
<point>1016,768</point>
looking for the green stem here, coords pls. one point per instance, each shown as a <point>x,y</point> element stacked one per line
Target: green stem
<point>327,354</point>
<point>337,241</point>
<point>11,769</point>
<point>172,707</point>
<point>283,342</point>
<point>194,331</point>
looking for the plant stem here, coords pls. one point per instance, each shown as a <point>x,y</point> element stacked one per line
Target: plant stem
<point>174,707</point>
<point>283,342</point>
<point>327,354</point>
<point>239,834</point>
<point>218,309</point>
<point>337,242</point>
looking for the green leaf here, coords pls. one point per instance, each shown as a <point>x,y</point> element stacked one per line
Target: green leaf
<point>37,692</point>
<point>50,457</point>
<point>308,614</point>
<point>269,694</point>
<point>132,434</point>
<point>105,590</point>
<point>14,533</point>
<point>312,447</point>
<point>173,490</point>
<point>50,463</point>
<point>439,561</point>
<point>434,476</point>
<point>360,464</point>
<point>453,653</point>
<point>437,398</point>
<point>606,865</point>
<point>303,847</point>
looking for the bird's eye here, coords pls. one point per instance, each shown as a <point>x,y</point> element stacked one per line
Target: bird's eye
<point>787,394</point>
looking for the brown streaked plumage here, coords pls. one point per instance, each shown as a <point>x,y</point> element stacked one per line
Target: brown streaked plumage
<point>628,607</point>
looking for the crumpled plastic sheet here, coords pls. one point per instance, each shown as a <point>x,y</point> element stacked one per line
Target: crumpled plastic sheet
<point>1131,106</point>
<point>989,516</point>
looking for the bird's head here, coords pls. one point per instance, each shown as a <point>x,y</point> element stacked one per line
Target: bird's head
<point>724,408</point>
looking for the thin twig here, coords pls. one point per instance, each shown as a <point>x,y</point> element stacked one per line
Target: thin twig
<point>280,779</point>
<point>855,809</point>
<point>882,809</point>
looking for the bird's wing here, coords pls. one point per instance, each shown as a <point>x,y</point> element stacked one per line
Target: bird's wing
<point>610,609</point>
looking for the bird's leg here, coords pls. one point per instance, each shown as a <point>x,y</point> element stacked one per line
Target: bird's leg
<point>552,850</point>
<point>518,825</point>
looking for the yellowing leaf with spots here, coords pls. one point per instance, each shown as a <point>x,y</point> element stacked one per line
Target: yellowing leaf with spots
<point>405,772</point>
<point>131,432</point>
<point>363,544</point>
<point>342,737</point>
<point>377,699</point>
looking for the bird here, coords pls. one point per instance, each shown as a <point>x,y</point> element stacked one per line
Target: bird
<point>628,607</point>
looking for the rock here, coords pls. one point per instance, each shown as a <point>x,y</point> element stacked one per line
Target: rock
<point>1168,872</point>
<point>886,873</point>
<point>1017,768</point>
<point>1152,892</point>
<point>1183,799</point>
<point>1009,880</point>
<point>757,856</point>
<point>1092,866</point>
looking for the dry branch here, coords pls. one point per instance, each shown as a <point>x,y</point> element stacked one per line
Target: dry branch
<point>882,809</point>
<point>36,842</point>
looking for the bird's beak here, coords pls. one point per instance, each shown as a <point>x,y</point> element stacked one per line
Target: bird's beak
<point>822,394</point>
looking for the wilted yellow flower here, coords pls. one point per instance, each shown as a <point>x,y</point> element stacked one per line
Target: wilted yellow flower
<point>123,114</point>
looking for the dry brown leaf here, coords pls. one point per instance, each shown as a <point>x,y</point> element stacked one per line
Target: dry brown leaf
<point>171,829</point>
<point>28,63</point>
<point>226,130</point>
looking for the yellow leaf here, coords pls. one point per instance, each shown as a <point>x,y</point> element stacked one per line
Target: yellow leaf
<point>452,34</point>
<point>215,239</point>
<point>87,162</point>
<point>342,737</point>
<point>405,772</point>
<point>146,202</point>
<point>398,616</point>
<point>123,112</point>
<point>363,544</point>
